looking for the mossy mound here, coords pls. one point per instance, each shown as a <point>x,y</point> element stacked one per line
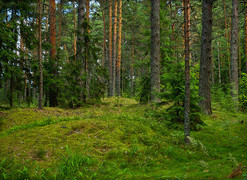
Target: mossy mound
<point>116,139</point>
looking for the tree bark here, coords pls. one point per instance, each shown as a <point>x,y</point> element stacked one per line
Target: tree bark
<point>80,59</point>
<point>132,64</point>
<point>11,89</point>
<point>155,50</point>
<point>212,69</point>
<point>239,57</point>
<point>87,53</point>
<point>234,50</point>
<point>40,101</point>
<point>60,23</point>
<point>104,33</point>
<point>114,49</point>
<point>227,37</point>
<point>119,50</point>
<point>74,18</point>
<point>46,28</point>
<point>110,49</point>
<point>21,58</point>
<point>187,70</point>
<point>205,62</point>
<point>53,89</point>
<point>219,62</point>
<point>245,37</point>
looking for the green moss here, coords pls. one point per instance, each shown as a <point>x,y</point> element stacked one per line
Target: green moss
<point>117,139</point>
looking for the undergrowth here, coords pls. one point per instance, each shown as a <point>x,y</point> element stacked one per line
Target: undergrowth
<point>118,139</point>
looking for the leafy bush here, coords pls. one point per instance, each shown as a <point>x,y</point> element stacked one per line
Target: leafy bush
<point>243,93</point>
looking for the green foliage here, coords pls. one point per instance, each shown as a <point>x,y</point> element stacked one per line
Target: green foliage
<point>74,165</point>
<point>174,93</point>
<point>97,84</point>
<point>243,93</point>
<point>11,169</point>
<point>144,89</point>
<point>222,96</point>
<point>71,90</point>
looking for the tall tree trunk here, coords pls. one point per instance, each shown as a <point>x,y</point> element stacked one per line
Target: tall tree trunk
<point>5,89</point>
<point>1,82</point>
<point>245,37</point>
<point>80,59</point>
<point>110,49</point>
<point>114,49</point>
<point>40,101</point>
<point>205,62</point>
<point>87,54</point>
<point>60,23</point>
<point>119,50</point>
<point>25,78</point>
<point>11,89</point>
<point>29,97</point>
<point>172,16</point>
<point>22,60</point>
<point>212,69</point>
<point>187,70</point>
<point>65,49</point>
<point>104,33</point>
<point>219,62</point>
<point>46,28</point>
<point>53,89</point>
<point>132,65</point>
<point>239,56</point>
<point>234,50</point>
<point>227,38</point>
<point>74,18</point>
<point>155,50</point>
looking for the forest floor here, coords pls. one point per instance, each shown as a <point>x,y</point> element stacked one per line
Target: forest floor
<point>118,139</point>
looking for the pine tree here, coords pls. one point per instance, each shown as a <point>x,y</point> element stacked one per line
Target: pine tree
<point>155,50</point>
<point>118,85</point>
<point>53,89</point>
<point>40,102</point>
<point>187,70</point>
<point>206,61</point>
<point>234,51</point>
<point>80,59</point>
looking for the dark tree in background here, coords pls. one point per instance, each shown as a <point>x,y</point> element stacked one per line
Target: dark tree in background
<point>155,50</point>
